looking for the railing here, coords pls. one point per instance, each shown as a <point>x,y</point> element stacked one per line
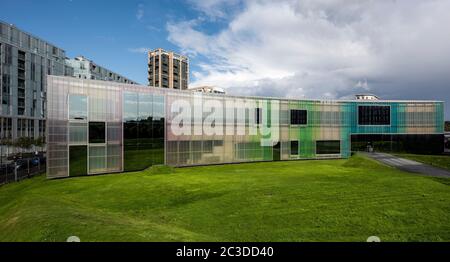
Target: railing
<point>17,171</point>
<point>21,56</point>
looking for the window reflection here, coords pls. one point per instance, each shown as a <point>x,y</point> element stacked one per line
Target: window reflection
<point>328,147</point>
<point>143,130</point>
<point>77,107</point>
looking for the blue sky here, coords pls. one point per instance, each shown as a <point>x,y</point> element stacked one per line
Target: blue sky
<point>104,31</point>
<point>285,48</point>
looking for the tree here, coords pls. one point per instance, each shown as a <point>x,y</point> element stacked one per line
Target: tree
<point>39,142</point>
<point>23,143</point>
<point>4,142</point>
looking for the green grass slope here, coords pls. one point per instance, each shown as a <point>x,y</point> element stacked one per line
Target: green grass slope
<point>327,200</point>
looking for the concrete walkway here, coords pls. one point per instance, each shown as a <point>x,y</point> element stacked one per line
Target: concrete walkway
<point>409,165</point>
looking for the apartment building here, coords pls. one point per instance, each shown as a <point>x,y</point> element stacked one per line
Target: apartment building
<point>84,68</point>
<point>25,62</point>
<point>167,69</point>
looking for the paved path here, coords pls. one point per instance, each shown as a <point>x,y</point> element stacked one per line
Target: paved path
<point>409,165</point>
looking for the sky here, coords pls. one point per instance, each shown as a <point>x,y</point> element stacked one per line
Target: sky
<point>318,49</point>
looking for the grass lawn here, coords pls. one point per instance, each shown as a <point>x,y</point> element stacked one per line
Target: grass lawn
<point>321,200</point>
<point>442,161</point>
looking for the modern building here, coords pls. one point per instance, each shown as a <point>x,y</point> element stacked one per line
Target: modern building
<point>25,62</point>
<point>167,69</point>
<point>98,127</point>
<point>366,97</point>
<point>86,69</point>
<point>208,89</point>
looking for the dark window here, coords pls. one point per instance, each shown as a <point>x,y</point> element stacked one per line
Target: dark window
<point>258,115</point>
<point>402,143</point>
<point>299,117</point>
<point>8,55</point>
<point>328,147</point>
<point>294,147</point>
<point>208,146</point>
<point>374,115</point>
<point>96,132</point>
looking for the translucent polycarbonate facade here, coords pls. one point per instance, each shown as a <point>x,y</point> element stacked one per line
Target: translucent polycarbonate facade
<point>71,117</point>
<point>101,127</point>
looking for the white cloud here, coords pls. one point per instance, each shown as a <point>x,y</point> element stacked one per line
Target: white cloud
<point>140,12</point>
<point>315,49</point>
<point>140,50</point>
<point>214,8</point>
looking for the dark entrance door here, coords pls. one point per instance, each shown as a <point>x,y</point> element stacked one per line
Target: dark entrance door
<point>77,160</point>
<point>276,152</point>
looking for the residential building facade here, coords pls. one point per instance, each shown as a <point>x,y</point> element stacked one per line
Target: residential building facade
<point>99,127</point>
<point>25,62</point>
<point>86,69</point>
<point>168,70</point>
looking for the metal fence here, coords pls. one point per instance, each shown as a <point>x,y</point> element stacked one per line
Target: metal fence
<point>16,171</point>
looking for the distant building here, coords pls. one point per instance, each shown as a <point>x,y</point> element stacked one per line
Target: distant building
<point>208,89</point>
<point>167,69</point>
<point>25,62</point>
<point>86,69</point>
<point>366,97</point>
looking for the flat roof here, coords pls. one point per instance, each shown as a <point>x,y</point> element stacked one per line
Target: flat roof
<point>32,35</point>
<point>187,91</point>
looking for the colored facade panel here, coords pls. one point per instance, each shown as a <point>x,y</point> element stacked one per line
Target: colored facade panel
<point>148,126</point>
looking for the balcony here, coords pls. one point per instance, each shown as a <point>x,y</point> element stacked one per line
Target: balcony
<point>21,75</point>
<point>21,56</point>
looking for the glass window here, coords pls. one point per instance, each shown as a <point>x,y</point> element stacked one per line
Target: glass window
<point>374,115</point>
<point>114,160</point>
<point>78,133</point>
<point>143,127</point>
<point>78,107</point>
<point>328,147</point>
<point>207,146</point>
<point>97,159</point>
<point>145,106</point>
<point>158,107</point>
<point>97,132</point>
<point>294,148</point>
<point>258,115</point>
<point>299,117</point>
<point>130,106</point>
<point>114,132</point>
